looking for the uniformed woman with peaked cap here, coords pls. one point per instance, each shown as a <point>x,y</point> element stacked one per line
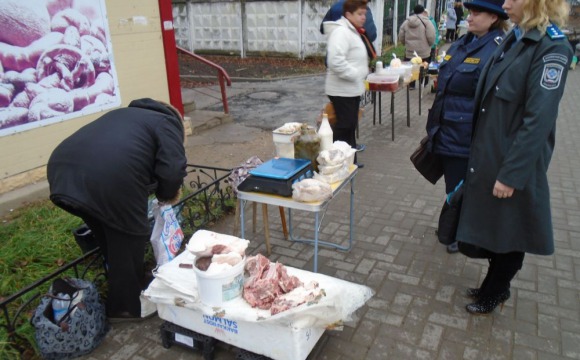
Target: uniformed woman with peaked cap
<point>449,122</point>
<point>506,204</point>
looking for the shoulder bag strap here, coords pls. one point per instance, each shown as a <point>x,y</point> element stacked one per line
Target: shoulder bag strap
<point>370,48</point>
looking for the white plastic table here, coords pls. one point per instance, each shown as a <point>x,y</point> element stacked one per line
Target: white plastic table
<point>314,207</point>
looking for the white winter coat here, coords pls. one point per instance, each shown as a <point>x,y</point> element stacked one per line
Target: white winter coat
<point>347,59</point>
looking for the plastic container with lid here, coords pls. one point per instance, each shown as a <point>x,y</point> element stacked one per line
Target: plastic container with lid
<point>284,137</point>
<point>386,82</point>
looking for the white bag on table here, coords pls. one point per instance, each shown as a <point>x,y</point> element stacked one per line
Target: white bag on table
<point>311,190</point>
<point>166,236</point>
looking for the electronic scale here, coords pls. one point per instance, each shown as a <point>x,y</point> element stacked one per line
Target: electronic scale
<point>276,176</point>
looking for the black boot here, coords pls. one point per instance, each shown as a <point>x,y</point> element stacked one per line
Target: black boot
<point>485,305</point>
<point>473,293</point>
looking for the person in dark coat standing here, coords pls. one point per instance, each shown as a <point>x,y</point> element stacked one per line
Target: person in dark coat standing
<point>105,172</point>
<point>449,121</point>
<point>458,7</point>
<point>506,203</point>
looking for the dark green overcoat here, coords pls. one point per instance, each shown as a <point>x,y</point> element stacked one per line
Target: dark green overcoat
<point>516,106</point>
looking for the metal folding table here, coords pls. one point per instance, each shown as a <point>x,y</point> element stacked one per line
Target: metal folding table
<point>314,207</point>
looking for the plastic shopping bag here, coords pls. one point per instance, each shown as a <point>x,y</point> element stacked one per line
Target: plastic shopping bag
<point>167,235</point>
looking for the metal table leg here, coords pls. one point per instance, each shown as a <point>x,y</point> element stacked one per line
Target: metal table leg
<point>393,116</point>
<point>380,108</point>
<point>374,106</point>
<point>317,222</point>
<point>242,222</point>
<point>408,109</point>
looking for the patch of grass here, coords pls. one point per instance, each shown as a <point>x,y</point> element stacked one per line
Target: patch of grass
<point>35,241</point>
<point>387,55</point>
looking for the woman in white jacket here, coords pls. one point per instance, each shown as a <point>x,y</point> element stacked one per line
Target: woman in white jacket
<point>347,62</point>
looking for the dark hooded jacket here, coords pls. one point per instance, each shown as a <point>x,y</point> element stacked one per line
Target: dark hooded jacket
<point>108,168</point>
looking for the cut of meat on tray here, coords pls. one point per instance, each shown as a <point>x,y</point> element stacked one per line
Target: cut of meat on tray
<point>300,295</point>
<point>267,282</point>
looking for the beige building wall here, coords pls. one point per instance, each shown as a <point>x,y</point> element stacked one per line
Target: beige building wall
<point>135,28</point>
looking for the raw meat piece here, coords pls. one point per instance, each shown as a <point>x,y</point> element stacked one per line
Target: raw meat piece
<point>296,297</point>
<point>203,263</point>
<point>266,281</point>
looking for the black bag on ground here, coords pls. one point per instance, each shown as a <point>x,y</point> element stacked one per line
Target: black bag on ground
<point>449,217</point>
<point>427,163</point>
<point>80,330</point>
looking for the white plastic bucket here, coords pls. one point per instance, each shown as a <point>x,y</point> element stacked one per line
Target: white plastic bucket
<point>216,289</point>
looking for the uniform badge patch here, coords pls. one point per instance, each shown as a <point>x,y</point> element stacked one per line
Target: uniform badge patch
<point>551,76</point>
<point>472,60</point>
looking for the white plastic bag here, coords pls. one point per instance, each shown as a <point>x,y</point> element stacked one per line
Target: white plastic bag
<point>334,177</point>
<point>167,235</point>
<point>311,190</point>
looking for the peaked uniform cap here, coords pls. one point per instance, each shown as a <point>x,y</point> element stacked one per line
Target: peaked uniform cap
<point>490,6</point>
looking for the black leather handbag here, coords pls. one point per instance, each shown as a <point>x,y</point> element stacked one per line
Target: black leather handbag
<point>427,163</point>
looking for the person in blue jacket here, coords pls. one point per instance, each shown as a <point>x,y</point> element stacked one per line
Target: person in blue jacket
<point>335,12</point>
<point>449,121</point>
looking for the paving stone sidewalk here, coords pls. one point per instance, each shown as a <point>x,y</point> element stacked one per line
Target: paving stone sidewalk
<point>418,310</point>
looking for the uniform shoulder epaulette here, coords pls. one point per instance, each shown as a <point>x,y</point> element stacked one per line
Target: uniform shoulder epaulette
<point>554,32</point>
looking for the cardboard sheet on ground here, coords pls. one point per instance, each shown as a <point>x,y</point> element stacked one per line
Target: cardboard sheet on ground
<point>178,287</point>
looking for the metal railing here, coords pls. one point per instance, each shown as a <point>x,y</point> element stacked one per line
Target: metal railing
<point>223,77</point>
<point>208,200</point>
<point>207,193</point>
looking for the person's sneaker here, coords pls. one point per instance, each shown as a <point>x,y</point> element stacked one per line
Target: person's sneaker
<point>359,165</point>
<point>361,147</point>
<point>148,308</point>
<point>453,248</point>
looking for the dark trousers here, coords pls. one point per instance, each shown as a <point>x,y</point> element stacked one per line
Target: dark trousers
<point>346,109</point>
<point>124,255</point>
<point>454,170</point>
<point>502,269</point>
<point>449,35</point>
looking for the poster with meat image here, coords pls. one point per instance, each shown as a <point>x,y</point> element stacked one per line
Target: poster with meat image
<point>56,62</point>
